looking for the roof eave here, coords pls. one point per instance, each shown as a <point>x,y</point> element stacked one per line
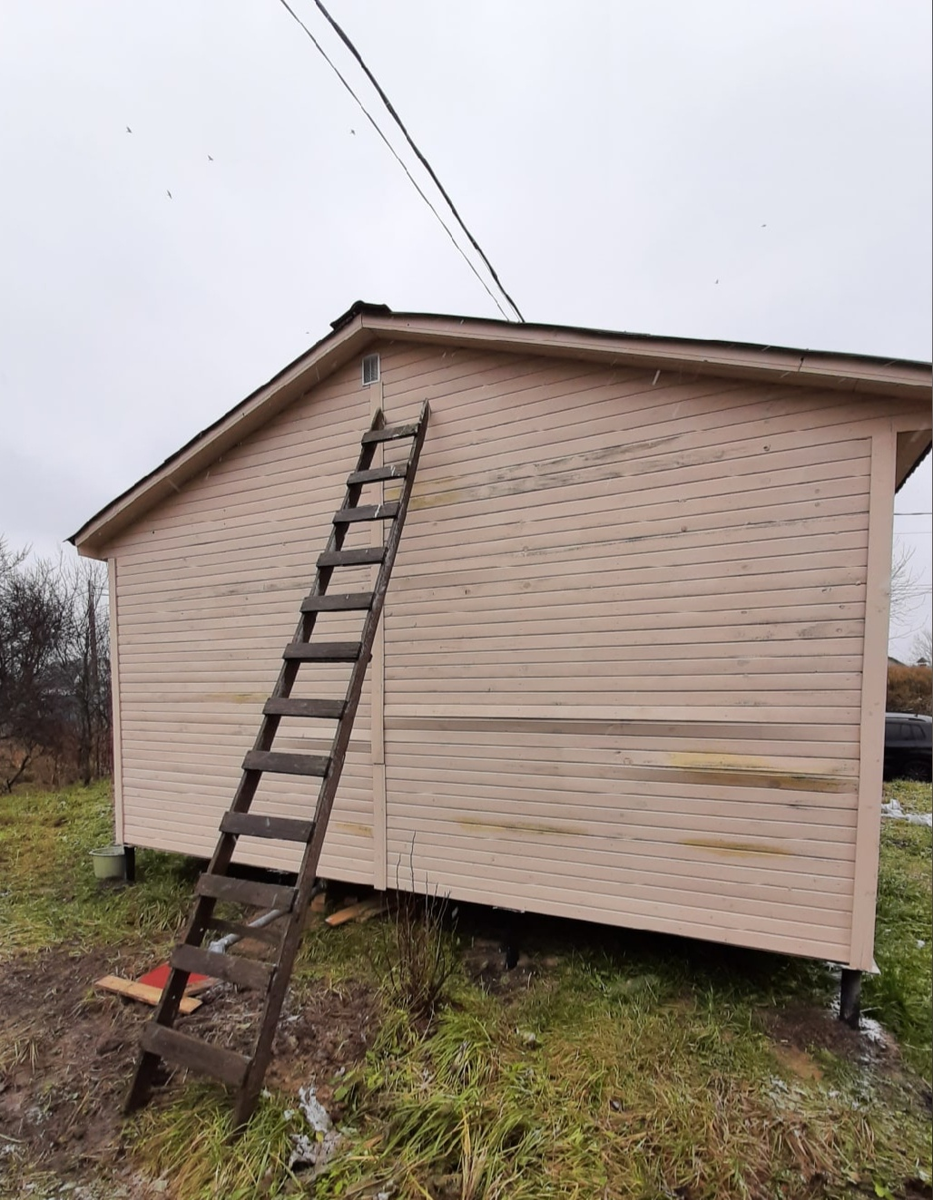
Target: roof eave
<point>803,368</point>
<point>364,323</point>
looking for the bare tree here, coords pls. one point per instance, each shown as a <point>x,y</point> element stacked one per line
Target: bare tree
<point>32,620</point>
<point>84,664</point>
<point>54,667</point>
<point>922,649</point>
<point>903,584</point>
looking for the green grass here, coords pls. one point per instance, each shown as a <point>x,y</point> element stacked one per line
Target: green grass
<point>901,996</point>
<point>48,893</point>
<point>629,1066</point>
<point>189,1142</point>
<point>599,1082</point>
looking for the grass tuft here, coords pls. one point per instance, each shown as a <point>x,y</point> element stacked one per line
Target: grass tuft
<point>48,893</point>
<point>190,1143</point>
<point>901,995</point>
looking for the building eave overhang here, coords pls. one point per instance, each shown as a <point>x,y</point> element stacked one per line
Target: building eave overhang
<point>364,324</point>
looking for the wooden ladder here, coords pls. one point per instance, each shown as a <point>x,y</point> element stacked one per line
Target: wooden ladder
<point>160,1041</point>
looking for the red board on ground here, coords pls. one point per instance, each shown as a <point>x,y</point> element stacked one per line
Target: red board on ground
<point>158,978</point>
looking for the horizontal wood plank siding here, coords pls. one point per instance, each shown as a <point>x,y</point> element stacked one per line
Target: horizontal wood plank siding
<point>621,676</point>
<point>209,588</point>
<point>624,647</point>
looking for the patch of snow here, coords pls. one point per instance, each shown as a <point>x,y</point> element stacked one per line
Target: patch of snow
<point>873,1031</point>
<point>314,1152</point>
<point>314,1111</point>
<point>893,810</point>
<point>318,1148</point>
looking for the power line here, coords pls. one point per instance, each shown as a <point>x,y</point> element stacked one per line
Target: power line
<point>397,158</point>
<point>421,158</point>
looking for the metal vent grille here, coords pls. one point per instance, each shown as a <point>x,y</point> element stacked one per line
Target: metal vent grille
<point>370,369</point>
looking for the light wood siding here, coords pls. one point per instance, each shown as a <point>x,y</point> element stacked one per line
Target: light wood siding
<point>208,588</point>
<point>621,670</point>
<point>624,646</point>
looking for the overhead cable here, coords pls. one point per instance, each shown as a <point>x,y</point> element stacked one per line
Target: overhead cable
<point>421,158</point>
<point>400,162</point>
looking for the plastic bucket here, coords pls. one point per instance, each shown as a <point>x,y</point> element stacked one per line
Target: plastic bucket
<point>109,862</point>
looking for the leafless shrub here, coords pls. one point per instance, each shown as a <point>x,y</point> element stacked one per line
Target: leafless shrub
<point>909,689</point>
<point>419,952</point>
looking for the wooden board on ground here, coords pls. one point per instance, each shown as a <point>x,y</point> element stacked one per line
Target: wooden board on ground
<point>358,912</point>
<point>142,991</point>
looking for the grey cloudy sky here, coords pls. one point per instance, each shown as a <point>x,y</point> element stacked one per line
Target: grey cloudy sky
<point>723,170</point>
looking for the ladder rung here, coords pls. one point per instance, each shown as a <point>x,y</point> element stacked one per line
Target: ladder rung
<point>323,651</point>
<point>246,891</point>
<point>249,824</point>
<point>281,706</point>
<point>286,764</point>
<point>261,934</point>
<point>390,433</point>
<point>244,972</point>
<point>348,602</point>
<point>366,512</point>
<point>191,1052</point>
<point>365,556</point>
<point>376,474</point>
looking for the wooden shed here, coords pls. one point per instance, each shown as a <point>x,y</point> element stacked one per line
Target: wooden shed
<point>632,662</point>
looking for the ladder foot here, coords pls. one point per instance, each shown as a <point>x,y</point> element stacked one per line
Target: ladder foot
<point>143,1080</point>
<point>244,1108</point>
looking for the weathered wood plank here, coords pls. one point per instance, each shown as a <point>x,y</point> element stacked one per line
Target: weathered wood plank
<point>186,1051</point>
<point>377,474</point>
<point>366,512</point>
<point>345,602</point>
<point>281,706</point>
<point>143,992</point>
<point>390,433</point>
<point>246,891</point>
<point>244,972</point>
<point>364,556</point>
<point>286,764</point>
<point>323,651</point>
<point>252,824</point>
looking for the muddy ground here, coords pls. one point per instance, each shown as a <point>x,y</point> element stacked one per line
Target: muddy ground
<point>70,1052</point>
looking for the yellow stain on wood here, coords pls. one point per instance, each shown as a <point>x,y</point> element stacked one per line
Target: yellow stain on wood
<point>436,499</point>
<point>236,697</point>
<point>740,848</point>
<point>740,770</point>
<point>518,827</point>
<point>358,830</point>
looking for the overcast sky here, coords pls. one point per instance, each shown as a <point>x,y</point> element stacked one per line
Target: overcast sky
<point>189,197</point>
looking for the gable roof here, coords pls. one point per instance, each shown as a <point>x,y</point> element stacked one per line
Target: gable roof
<point>364,323</point>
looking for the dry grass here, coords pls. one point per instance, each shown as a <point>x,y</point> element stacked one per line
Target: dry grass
<point>910,689</point>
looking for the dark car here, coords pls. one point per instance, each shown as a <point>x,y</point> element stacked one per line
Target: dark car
<point>908,746</point>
